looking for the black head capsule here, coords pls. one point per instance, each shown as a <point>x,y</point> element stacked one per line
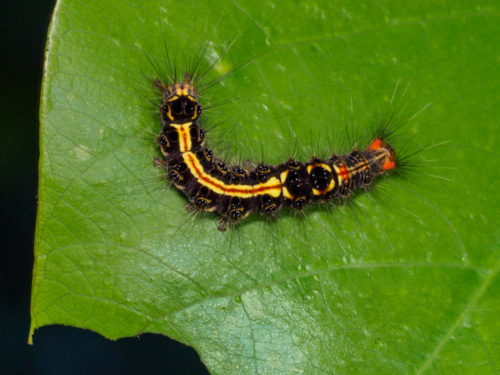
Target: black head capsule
<point>180,101</point>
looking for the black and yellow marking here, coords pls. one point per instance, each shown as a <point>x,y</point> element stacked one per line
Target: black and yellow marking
<point>271,187</point>
<point>322,180</point>
<point>180,101</point>
<point>235,192</point>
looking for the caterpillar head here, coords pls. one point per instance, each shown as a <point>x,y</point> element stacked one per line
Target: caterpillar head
<point>180,101</point>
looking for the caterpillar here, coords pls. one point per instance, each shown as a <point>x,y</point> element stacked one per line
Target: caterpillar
<point>235,192</point>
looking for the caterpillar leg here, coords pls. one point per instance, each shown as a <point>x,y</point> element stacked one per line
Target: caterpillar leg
<point>222,224</point>
<point>157,162</point>
<point>190,207</point>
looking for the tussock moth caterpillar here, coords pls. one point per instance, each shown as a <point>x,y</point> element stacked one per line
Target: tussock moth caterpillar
<point>235,191</point>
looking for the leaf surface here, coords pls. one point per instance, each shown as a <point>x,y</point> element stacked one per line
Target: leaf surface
<point>405,279</point>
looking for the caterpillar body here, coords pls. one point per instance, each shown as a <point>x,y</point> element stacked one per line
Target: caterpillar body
<point>235,192</point>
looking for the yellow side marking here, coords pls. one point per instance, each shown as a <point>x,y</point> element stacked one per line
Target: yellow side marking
<point>329,188</point>
<point>283,177</point>
<point>286,193</point>
<point>322,165</point>
<point>169,113</point>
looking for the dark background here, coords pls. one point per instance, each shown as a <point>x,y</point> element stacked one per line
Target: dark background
<point>56,349</point>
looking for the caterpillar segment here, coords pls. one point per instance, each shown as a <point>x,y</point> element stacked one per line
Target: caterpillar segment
<point>235,192</point>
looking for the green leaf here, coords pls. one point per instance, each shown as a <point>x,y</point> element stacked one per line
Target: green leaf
<point>406,283</point>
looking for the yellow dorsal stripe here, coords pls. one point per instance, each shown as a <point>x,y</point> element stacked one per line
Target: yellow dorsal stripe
<point>271,187</point>
<point>183,130</point>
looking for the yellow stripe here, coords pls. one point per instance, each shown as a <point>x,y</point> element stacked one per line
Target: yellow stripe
<point>361,166</point>
<point>183,132</point>
<point>271,187</point>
